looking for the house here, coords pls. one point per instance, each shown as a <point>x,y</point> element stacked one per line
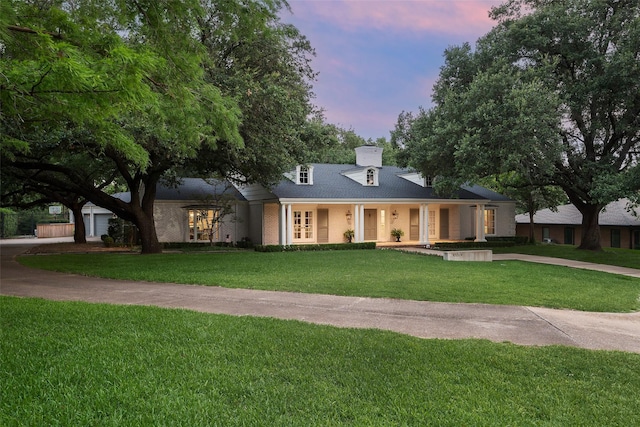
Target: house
<point>187,211</point>
<point>619,225</point>
<point>317,203</point>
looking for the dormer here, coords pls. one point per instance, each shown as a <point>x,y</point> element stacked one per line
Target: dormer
<point>418,178</point>
<point>367,177</point>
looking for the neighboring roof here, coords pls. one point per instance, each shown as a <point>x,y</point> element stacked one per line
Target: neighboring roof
<point>197,189</point>
<point>329,182</point>
<point>618,213</point>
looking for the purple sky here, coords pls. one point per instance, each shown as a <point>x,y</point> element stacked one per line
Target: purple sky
<point>377,58</point>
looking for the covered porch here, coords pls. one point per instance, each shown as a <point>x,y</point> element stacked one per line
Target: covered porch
<point>421,223</point>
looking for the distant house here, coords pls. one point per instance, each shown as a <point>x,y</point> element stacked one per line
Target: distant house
<point>619,225</point>
<point>317,203</point>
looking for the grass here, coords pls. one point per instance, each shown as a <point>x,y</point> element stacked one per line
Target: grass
<point>629,258</point>
<point>380,273</point>
<point>85,364</point>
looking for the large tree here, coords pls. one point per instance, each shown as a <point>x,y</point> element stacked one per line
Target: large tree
<point>551,93</point>
<point>136,78</point>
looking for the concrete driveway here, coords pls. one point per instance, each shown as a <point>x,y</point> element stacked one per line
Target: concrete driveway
<point>519,325</point>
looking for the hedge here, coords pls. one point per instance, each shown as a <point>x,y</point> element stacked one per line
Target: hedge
<point>492,242</point>
<point>315,247</point>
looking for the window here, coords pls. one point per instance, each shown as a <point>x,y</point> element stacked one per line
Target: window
<point>546,234</point>
<point>304,175</point>
<point>615,238</point>
<point>303,225</point>
<point>569,236</point>
<point>371,175</point>
<point>204,224</point>
<point>489,221</point>
<point>428,181</point>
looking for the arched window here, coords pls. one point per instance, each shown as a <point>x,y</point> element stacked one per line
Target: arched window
<point>371,175</point>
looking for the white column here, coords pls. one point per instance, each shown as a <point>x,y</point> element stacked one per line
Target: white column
<point>480,224</point>
<point>425,210</point>
<point>92,225</point>
<point>283,224</point>
<point>289,225</point>
<point>356,223</point>
<point>361,225</point>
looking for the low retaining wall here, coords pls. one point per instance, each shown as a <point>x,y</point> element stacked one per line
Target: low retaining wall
<point>55,230</point>
<point>472,255</point>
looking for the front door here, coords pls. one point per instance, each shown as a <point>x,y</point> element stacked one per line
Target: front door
<point>444,223</point>
<point>414,224</point>
<point>370,224</point>
<point>323,226</point>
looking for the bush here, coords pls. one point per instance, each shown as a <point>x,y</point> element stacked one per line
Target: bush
<point>8,223</point>
<point>108,241</point>
<point>315,247</point>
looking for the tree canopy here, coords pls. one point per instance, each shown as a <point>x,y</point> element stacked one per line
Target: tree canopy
<point>551,93</point>
<point>148,89</point>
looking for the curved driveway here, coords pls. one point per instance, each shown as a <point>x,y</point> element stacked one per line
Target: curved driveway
<point>519,325</point>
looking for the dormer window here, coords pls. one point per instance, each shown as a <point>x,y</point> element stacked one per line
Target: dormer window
<point>428,181</point>
<point>304,175</point>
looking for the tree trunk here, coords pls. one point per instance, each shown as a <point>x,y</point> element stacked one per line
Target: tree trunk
<point>148,235</point>
<point>532,235</point>
<point>590,239</point>
<point>79,232</point>
<point>143,211</point>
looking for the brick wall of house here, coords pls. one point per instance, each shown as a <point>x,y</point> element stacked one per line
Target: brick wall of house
<point>271,229</point>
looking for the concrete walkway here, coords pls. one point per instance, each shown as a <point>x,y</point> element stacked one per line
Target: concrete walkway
<point>631,272</point>
<point>520,325</point>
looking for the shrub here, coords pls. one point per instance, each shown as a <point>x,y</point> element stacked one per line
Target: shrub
<point>108,241</point>
<point>315,247</point>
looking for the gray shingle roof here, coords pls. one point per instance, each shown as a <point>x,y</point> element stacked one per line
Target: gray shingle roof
<point>330,183</point>
<point>196,189</point>
<point>616,213</point>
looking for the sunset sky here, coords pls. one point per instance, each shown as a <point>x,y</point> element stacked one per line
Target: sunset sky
<point>377,58</point>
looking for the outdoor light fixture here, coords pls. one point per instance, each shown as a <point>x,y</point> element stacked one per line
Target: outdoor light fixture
<point>349,215</point>
<point>395,214</point>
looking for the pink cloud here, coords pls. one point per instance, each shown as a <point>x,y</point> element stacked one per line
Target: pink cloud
<point>444,17</point>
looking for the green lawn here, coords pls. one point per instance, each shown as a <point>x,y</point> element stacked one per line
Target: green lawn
<point>612,256</point>
<point>379,273</point>
<point>79,364</point>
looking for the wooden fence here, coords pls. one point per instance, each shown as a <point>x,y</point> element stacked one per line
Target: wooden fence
<point>55,230</point>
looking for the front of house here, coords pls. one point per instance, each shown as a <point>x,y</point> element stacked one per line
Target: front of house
<point>318,203</point>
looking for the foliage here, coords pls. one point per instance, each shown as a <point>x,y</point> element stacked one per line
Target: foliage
<point>397,233</point>
<point>141,89</point>
<point>329,143</point>
<point>349,234</point>
<point>122,232</point>
<point>551,94</point>
<point>8,223</point>
<point>315,247</point>
<point>87,364</point>
<point>397,275</point>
